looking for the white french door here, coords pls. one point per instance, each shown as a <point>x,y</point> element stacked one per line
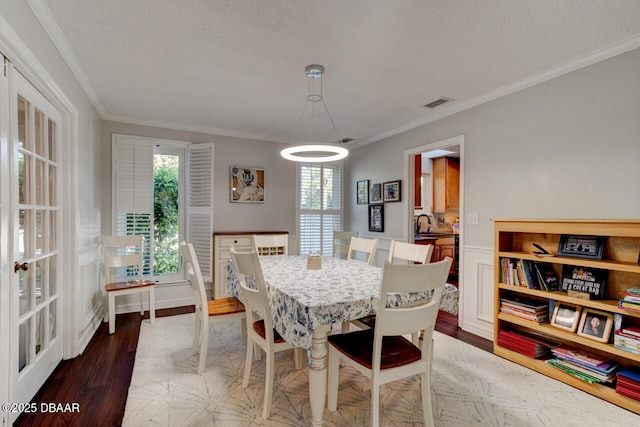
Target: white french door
<point>34,226</point>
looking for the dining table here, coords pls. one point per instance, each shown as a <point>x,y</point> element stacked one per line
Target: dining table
<point>305,302</point>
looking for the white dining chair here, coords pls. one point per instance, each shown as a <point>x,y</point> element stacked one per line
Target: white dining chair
<point>260,330</point>
<point>123,271</point>
<point>341,242</point>
<point>271,244</point>
<point>360,247</point>
<point>208,311</point>
<point>382,354</point>
<point>403,252</point>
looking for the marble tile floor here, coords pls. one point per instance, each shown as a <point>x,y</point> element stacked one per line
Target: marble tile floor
<point>470,387</point>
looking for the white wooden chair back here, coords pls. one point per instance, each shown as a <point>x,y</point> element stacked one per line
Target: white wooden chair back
<point>409,252</point>
<point>256,300</point>
<point>341,242</point>
<point>194,275</point>
<point>363,246</point>
<point>415,317</point>
<point>271,244</point>
<point>120,252</point>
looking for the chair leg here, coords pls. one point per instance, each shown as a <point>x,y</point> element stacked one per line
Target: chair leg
<point>268,385</point>
<point>345,327</point>
<point>141,304</point>
<point>112,312</point>
<point>152,304</point>
<point>204,345</point>
<point>196,334</point>
<point>333,375</point>
<point>243,330</point>
<point>248,362</point>
<point>375,404</point>
<point>427,410</point>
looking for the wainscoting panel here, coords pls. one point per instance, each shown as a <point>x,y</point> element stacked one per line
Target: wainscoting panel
<point>476,292</point>
<point>91,302</point>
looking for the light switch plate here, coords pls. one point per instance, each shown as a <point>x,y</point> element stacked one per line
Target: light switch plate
<point>472,218</point>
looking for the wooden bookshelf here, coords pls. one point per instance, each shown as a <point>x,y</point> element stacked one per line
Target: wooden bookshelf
<point>514,239</point>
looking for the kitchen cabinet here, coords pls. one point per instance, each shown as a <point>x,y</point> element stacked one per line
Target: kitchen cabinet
<point>445,247</point>
<point>446,184</point>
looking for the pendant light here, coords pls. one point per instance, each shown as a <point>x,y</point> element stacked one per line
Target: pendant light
<point>314,152</point>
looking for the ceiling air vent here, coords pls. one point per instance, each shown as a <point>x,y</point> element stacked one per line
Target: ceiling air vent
<point>438,102</point>
<point>345,140</point>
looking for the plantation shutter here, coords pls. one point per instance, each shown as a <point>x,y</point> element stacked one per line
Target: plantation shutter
<point>133,191</point>
<point>200,204</point>
<point>319,206</point>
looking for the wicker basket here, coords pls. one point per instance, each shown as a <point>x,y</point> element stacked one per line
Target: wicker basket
<point>314,262</point>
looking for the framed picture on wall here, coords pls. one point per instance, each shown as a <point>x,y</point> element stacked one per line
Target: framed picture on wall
<point>391,191</point>
<point>376,217</point>
<point>375,194</point>
<point>246,185</point>
<point>362,192</point>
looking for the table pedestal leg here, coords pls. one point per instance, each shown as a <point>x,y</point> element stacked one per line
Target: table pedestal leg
<point>318,374</point>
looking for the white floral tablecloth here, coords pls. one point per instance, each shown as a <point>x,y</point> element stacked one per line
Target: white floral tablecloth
<point>301,299</point>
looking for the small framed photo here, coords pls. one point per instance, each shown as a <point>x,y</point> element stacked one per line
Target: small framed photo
<point>391,191</point>
<point>595,324</point>
<point>362,192</point>
<point>566,316</point>
<point>246,185</point>
<point>375,194</point>
<point>376,217</point>
<point>581,246</point>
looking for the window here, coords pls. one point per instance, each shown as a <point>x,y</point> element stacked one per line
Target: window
<point>319,206</point>
<point>164,191</point>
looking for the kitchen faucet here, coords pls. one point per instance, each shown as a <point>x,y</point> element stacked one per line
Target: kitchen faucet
<point>418,223</point>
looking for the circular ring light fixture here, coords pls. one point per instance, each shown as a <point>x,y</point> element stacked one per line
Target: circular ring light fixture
<point>315,153</point>
<point>311,152</point>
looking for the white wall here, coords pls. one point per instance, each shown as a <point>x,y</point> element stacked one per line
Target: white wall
<point>565,148</point>
<point>276,213</point>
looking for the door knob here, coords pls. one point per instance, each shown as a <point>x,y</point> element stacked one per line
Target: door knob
<point>17,266</point>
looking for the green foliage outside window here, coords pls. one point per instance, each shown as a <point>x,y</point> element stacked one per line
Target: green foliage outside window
<point>165,214</point>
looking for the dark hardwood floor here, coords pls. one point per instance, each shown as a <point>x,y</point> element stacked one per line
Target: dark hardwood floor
<point>99,378</point>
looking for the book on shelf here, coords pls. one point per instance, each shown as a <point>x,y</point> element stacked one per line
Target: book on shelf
<point>633,291</point>
<point>526,344</point>
<point>583,279</point>
<point>625,305</point>
<point>626,342</point>
<point>584,365</point>
<point>547,277</point>
<point>524,308</point>
<point>631,330</point>
<point>628,382</point>
<point>584,357</point>
<point>530,276</point>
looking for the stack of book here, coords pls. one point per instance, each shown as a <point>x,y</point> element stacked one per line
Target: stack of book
<point>631,299</point>
<point>531,346</point>
<point>627,339</point>
<point>528,309</point>
<point>628,383</point>
<point>583,365</point>
<point>529,274</point>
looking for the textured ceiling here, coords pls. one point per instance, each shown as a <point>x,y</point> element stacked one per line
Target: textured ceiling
<point>236,67</point>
